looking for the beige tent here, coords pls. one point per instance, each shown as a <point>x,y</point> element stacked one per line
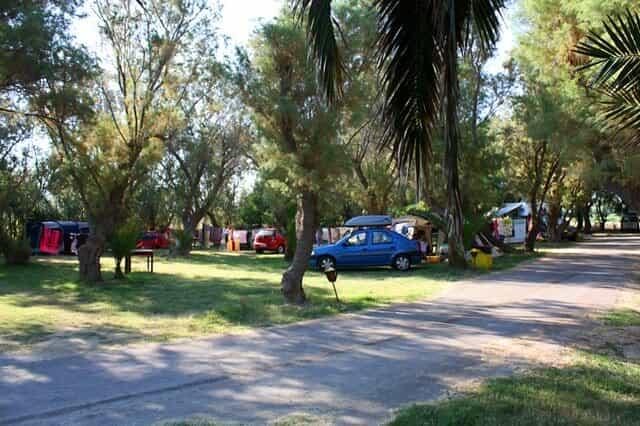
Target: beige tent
<point>418,223</point>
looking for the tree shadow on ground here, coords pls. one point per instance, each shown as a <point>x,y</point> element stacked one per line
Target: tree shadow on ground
<point>208,304</point>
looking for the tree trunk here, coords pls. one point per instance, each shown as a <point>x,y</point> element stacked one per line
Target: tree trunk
<point>587,221</point>
<point>555,234</point>
<point>580,219</point>
<point>454,200</point>
<point>119,275</point>
<point>530,242</point>
<point>306,225</point>
<point>532,233</point>
<point>89,257</point>
<point>188,227</point>
<point>601,215</point>
<point>373,205</point>
<point>290,251</point>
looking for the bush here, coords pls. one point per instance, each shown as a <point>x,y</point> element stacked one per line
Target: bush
<point>471,227</point>
<point>183,242</point>
<point>122,241</point>
<point>16,252</point>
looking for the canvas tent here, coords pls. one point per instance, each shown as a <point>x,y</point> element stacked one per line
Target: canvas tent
<point>411,225</point>
<point>52,237</point>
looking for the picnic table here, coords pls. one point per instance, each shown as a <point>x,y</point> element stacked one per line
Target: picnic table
<point>139,253</point>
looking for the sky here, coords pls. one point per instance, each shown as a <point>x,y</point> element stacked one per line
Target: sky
<point>241,17</point>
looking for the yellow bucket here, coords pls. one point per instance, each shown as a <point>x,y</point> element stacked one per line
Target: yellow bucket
<point>481,260</point>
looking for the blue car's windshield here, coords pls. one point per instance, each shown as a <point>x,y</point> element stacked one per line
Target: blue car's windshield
<point>345,238</point>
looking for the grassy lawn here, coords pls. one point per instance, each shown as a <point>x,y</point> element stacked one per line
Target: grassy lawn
<point>601,388</point>
<point>210,292</point>
<point>597,390</point>
<point>623,317</point>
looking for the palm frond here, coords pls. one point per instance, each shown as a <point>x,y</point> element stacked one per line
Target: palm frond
<point>616,52</point>
<point>321,34</point>
<point>622,108</point>
<point>413,59</point>
<point>410,61</point>
<point>485,16</point>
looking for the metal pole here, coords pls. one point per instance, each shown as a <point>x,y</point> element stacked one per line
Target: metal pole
<point>335,291</point>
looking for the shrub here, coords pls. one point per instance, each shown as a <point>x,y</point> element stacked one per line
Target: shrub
<point>183,241</point>
<point>471,227</point>
<point>16,252</point>
<point>122,241</point>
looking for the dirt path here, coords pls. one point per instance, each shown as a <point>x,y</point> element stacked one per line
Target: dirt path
<point>352,369</point>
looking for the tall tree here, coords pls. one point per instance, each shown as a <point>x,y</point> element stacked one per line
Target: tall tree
<point>205,140</point>
<point>37,55</point>
<point>548,47</point>
<point>540,142</point>
<point>111,154</point>
<point>298,128</point>
<point>200,163</point>
<point>418,52</point>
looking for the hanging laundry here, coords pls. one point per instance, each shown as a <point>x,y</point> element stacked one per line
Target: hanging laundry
<point>240,236</point>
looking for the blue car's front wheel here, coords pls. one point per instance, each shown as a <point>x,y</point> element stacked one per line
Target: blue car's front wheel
<point>402,262</point>
<point>326,262</point>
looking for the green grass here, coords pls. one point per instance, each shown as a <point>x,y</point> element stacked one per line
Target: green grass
<point>597,390</point>
<point>622,318</point>
<point>207,293</point>
<point>601,387</point>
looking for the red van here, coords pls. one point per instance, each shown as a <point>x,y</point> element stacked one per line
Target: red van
<point>269,240</point>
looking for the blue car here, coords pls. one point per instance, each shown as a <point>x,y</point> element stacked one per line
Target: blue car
<point>368,247</point>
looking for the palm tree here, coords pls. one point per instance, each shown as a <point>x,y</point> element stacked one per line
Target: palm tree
<point>615,54</point>
<point>417,49</point>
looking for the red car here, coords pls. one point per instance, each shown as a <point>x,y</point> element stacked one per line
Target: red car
<point>153,240</point>
<point>269,240</point>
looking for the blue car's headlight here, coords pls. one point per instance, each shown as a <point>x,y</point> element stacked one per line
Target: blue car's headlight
<point>313,253</point>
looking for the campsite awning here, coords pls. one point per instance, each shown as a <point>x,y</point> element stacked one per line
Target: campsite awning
<point>417,221</point>
<point>509,208</point>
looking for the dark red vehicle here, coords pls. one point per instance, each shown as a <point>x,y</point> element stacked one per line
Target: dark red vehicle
<point>269,240</point>
<point>153,240</point>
